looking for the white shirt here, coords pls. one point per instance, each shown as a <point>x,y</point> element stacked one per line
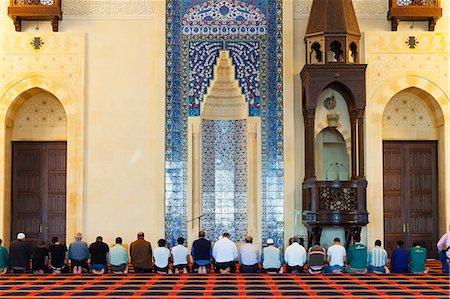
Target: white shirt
<point>224,251</point>
<point>179,254</point>
<point>445,239</point>
<point>336,253</point>
<point>248,254</point>
<point>161,256</point>
<point>295,255</point>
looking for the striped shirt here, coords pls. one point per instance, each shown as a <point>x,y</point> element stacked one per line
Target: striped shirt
<point>118,255</point>
<point>377,257</point>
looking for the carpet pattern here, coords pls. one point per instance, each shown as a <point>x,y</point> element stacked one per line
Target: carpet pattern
<point>433,285</point>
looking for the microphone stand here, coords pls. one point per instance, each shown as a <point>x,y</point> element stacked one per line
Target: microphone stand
<point>326,172</point>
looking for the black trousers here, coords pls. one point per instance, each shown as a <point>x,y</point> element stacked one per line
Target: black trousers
<point>294,269</point>
<point>142,270</point>
<point>248,269</point>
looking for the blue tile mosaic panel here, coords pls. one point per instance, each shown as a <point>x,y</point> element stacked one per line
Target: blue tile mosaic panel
<point>246,58</point>
<point>224,178</point>
<point>252,31</point>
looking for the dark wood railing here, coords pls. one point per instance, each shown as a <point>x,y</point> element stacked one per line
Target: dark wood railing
<point>35,10</point>
<point>414,10</point>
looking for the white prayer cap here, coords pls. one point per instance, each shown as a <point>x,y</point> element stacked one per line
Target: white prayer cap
<point>20,236</point>
<point>269,241</point>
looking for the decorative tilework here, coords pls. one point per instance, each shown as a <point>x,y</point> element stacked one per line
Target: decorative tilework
<point>188,4</point>
<point>246,58</point>
<point>268,68</point>
<point>224,178</point>
<point>202,57</point>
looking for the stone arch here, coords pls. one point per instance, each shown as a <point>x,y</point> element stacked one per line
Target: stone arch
<point>10,100</point>
<point>417,115</point>
<point>439,102</point>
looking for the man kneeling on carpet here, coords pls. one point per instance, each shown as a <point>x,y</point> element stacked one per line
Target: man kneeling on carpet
<point>271,259</point>
<point>161,258</point>
<point>225,254</point>
<point>79,255</point>
<point>417,259</point>
<point>118,258</point>
<point>58,256</point>
<point>377,259</point>
<point>180,255</point>
<point>201,253</point>
<point>295,257</point>
<point>99,256</point>
<point>357,257</point>
<point>444,254</point>
<point>336,257</point>
<point>20,254</point>
<point>248,257</point>
<point>39,259</point>
<point>4,259</point>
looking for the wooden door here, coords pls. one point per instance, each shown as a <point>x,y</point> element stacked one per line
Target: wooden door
<point>39,190</point>
<point>410,194</point>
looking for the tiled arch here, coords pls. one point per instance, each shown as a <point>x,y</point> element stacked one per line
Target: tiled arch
<point>73,107</point>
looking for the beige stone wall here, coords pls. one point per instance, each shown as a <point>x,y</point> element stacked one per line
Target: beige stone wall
<point>394,68</point>
<point>117,79</point>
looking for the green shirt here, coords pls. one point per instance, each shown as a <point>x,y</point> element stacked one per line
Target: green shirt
<point>417,259</point>
<point>357,256</point>
<point>4,257</point>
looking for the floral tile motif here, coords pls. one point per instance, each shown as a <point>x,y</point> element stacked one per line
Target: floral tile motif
<point>224,178</point>
<point>257,56</point>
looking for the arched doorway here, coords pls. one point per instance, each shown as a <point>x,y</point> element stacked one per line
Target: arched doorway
<point>38,130</point>
<point>412,122</point>
<point>12,98</point>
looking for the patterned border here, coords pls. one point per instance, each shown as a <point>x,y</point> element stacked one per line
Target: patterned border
<point>177,111</point>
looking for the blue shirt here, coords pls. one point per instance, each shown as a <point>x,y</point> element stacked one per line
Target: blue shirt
<point>78,251</point>
<point>249,255</point>
<point>399,260</point>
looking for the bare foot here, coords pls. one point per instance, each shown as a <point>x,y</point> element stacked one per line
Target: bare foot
<point>185,271</point>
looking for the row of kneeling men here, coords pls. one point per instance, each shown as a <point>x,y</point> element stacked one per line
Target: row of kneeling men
<point>223,253</point>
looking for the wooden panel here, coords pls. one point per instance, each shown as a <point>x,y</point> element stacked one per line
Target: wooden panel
<point>422,183</point>
<point>410,193</point>
<point>26,198</point>
<point>39,190</point>
<point>56,191</point>
<point>392,196</point>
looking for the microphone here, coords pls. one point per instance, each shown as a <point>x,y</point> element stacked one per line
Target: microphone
<point>337,170</point>
<point>326,172</point>
<point>348,172</point>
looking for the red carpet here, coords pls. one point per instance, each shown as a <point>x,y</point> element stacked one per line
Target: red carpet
<point>432,285</point>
